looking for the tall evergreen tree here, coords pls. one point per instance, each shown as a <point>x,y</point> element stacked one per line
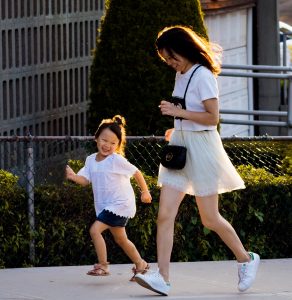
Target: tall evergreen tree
<point>127,77</point>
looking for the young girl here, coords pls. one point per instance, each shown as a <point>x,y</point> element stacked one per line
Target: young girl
<point>208,170</point>
<point>114,200</point>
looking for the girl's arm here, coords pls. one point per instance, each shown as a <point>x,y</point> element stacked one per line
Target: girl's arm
<point>145,194</point>
<point>71,175</point>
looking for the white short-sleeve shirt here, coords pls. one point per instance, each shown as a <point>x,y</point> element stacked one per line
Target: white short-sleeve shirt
<point>110,179</point>
<point>203,86</point>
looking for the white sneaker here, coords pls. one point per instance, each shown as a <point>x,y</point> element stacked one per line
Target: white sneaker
<point>154,282</point>
<point>247,272</point>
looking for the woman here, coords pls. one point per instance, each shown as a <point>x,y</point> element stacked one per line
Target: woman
<point>208,171</point>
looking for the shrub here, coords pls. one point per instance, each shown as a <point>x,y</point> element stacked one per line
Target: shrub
<point>14,229</point>
<point>261,214</point>
<point>64,214</point>
<point>127,77</point>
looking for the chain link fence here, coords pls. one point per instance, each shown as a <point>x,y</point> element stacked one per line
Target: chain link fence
<point>42,160</point>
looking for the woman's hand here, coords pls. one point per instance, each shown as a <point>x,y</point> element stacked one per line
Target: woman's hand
<point>169,109</point>
<point>168,134</point>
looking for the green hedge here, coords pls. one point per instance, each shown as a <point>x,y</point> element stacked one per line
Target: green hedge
<point>261,214</point>
<point>14,238</point>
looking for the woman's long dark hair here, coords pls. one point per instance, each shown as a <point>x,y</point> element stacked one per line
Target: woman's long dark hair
<point>185,42</point>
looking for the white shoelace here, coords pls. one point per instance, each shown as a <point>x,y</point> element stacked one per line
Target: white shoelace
<point>242,271</point>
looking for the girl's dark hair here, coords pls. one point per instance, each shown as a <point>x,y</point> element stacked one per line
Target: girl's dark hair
<point>117,126</point>
<point>185,42</point>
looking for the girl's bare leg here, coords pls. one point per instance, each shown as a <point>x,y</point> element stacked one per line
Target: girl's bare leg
<point>121,238</point>
<point>212,219</point>
<point>170,200</point>
<point>99,244</point>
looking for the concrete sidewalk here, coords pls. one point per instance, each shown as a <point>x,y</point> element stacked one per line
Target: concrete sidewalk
<point>192,280</point>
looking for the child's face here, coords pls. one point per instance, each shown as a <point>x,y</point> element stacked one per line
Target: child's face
<point>107,142</point>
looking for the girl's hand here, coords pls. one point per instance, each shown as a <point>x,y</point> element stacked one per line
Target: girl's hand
<point>146,197</point>
<point>69,173</point>
<point>169,109</point>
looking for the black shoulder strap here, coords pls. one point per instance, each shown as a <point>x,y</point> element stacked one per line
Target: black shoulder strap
<point>190,80</point>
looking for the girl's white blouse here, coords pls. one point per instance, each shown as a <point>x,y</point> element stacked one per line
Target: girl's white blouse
<point>110,179</point>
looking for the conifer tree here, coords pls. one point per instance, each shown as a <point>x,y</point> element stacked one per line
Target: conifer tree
<point>127,77</point>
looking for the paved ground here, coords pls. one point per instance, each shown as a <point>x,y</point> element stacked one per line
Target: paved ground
<point>194,280</point>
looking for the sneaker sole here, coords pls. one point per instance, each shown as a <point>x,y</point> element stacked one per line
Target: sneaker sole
<point>149,287</point>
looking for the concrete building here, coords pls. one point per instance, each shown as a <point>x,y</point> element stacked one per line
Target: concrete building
<point>45,57</point>
<point>248,32</point>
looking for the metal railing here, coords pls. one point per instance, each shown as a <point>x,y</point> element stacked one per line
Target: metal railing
<point>270,75</point>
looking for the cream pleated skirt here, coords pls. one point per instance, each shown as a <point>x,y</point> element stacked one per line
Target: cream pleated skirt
<point>208,170</point>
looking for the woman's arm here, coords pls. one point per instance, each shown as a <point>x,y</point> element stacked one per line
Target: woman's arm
<point>71,175</point>
<point>145,194</point>
<point>209,117</point>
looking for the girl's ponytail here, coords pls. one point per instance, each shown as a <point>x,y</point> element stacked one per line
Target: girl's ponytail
<point>119,120</point>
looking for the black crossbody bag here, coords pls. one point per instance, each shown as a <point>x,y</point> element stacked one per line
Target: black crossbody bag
<point>173,156</point>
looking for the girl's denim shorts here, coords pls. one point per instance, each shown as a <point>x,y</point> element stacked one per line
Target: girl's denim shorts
<point>111,219</point>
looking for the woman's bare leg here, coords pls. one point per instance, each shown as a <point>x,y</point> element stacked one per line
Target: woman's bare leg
<point>170,200</point>
<point>212,219</point>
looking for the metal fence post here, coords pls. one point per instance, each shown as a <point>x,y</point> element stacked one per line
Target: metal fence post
<point>30,193</point>
<point>289,109</point>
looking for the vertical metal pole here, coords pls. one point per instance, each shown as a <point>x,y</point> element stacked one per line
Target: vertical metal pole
<point>30,192</point>
<point>285,49</point>
<point>250,80</point>
<point>290,107</point>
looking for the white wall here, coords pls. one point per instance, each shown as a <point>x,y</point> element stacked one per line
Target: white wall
<point>232,31</point>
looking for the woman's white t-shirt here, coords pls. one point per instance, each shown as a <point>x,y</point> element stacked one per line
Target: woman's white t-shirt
<point>203,86</point>
<point>110,179</point>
